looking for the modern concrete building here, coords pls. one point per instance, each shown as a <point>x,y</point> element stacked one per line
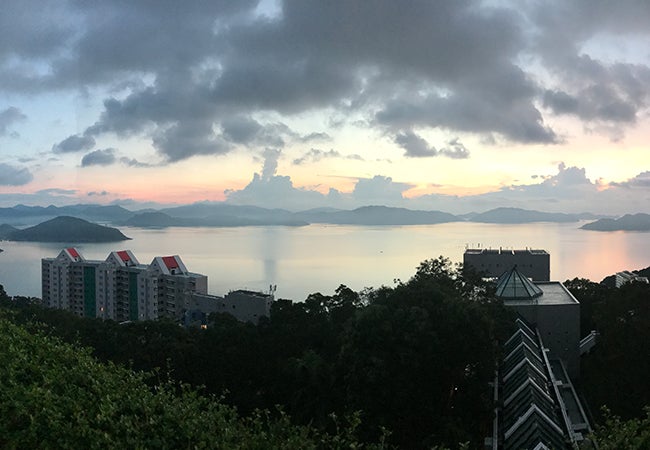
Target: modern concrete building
<point>244,305</point>
<point>551,308</point>
<point>534,264</point>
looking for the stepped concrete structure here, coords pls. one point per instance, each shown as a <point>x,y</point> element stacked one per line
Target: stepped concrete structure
<point>536,405</point>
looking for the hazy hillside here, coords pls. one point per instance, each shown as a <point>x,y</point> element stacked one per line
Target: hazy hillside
<point>518,215</point>
<point>377,215</point>
<point>6,231</point>
<point>21,214</point>
<point>67,229</point>
<point>629,222</point>
<point>212,209</point>
<point>160,219</point>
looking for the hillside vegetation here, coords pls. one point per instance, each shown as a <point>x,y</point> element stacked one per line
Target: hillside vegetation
<point>54,395</point>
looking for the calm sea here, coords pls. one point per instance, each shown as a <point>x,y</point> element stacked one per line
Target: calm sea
<point>318,258</point>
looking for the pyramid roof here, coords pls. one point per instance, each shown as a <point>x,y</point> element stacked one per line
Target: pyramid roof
<point>513,285</point>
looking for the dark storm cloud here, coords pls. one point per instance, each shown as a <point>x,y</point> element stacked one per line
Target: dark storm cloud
<point>196,76</point>
<point>185,139</point>
<point>609,92</point>
<point>592,103</point>
<point>414,145</point>
<point>8,117</point>
<point>455,150</point>
<point>417,147</point>
<point>240,129</point>
<point>74,143</point>
<point>486,103</point>
<point>14,176</point>
<point>104,157</point>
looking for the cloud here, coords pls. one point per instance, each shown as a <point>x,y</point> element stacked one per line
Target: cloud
<point>220,75</point>
<point>74,143</point>
<point>641,181</point>
<point>220,65</point>
<point>316,137</point>
<point>271,156</point>
<point>573,47</point>
<point>97,194</point>
<point>455,150</point>
<point>186,139</point>
<point>315,155</point>
<point>57,191</point>
<point>14,176</point>
<point>275,192</point>
<point>9,117</point>
<point>379,190</point>
<point>132,162</point>
<point>104,157</point>
<point>417,147</point>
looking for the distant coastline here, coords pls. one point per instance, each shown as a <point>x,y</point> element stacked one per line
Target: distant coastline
<point>214,214</point>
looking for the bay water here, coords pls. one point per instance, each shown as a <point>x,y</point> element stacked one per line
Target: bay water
<point>318,258</point>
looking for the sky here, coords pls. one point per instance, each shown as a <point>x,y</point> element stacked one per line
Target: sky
<point>453,105</point>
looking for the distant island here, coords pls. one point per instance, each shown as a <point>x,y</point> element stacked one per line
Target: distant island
<point>518,215</point>
<point>219,214</point>
<point>629,222</point>
<point>63,229</point>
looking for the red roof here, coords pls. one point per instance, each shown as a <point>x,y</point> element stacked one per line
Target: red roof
<point>73,252</point>
<point>124,256</point>
<point>170,262</point>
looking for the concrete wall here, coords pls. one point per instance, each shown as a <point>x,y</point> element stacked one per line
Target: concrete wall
<point>559,326</point>
<point>246,306</point>
<point>534,264</point>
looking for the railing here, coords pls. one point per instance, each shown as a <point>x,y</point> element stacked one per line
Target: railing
<point>588,342</point>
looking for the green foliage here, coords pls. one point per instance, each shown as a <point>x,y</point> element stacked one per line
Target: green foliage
<point>615,373</point>
<point>419,357</point>
<point>615,434</point>
<point>53,395</point>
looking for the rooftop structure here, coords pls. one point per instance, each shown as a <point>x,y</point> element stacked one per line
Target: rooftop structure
<point>533,263</point>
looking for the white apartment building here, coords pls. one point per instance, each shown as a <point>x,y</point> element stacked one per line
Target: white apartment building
<point>119,288</point>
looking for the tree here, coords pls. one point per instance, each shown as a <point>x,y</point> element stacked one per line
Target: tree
<point>615,434</point>
<point>53,395</point>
